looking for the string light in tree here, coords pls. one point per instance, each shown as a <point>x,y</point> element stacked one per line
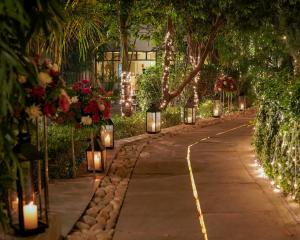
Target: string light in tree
<point>166,67</point>
<point>126,100</point>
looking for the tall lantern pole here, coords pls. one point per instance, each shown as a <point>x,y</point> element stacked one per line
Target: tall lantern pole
<point>46,165</point>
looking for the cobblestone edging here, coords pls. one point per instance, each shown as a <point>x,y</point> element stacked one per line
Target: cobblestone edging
<point>99,220</point>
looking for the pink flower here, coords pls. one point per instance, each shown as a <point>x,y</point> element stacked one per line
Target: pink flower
<point>64,103</point>
<point>86,90</point>
<point>85,81</point>
<point>38,92</point>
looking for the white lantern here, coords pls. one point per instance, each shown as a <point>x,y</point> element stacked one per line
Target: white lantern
<point>107,134</point>
<point>153,120</point>
<point>242,103</point>
<point>189,113</point>
<point>217,109</point>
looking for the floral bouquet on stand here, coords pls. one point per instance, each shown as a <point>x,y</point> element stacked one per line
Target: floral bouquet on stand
<point>89,108</point>
<point>49,95</point>
<point>225,86</point>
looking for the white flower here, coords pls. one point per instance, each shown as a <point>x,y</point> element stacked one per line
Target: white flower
<point>22,79</point>
<point>44,79</point>
<point>86,120</point>
<point>33,112</point>
<point>74,99</point>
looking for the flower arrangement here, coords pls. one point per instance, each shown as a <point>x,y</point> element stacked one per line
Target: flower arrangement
<point>88,105</point>
<point>49,95</point>
<point>225,83</point>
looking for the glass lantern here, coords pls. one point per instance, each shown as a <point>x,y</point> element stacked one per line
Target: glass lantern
<point>97,161</point>
<point>27,210</point>
<point>242,103</point>
<point>107,134</point>
<point>217,109</point>
<point>189,113</point>
<point>153,120</point>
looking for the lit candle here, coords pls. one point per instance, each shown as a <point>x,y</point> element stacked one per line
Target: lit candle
<point>97,161</point>
<point>107,140</point>
<point>242,106</point>
<point>216,112</point>
<point>30,216</point>
<point>153,126</point>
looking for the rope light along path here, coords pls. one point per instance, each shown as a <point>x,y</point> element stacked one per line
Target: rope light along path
<point>194,188</point>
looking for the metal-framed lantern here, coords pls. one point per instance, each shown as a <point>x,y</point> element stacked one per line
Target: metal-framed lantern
<point>96,156</point>
<point>107,134</point>
<point>27,209</point>
<point>217,108</point>
<point>242,103</point>
<point>153,119</point>
<point>189,113</point>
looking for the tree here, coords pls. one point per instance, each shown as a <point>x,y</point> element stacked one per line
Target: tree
<point>212,17</point>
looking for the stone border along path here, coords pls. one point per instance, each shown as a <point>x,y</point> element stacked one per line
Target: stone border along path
<point>99,219</point>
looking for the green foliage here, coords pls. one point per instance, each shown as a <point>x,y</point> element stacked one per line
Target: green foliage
<point>277,136</point>
<point>129,126</point>
<point>60,151</point>
<point>205,108</point>
<point>149,87</point>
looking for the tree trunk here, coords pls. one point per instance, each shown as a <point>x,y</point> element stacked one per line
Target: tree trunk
<point>126,100</point>
<point>204,50</point>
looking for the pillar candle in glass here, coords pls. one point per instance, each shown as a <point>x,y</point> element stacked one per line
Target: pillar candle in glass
<point>107,134</point>
<point>27,211</point>
<point>153,120</point>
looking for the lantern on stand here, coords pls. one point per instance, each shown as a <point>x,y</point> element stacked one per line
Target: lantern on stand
<point>242,103</point>
<point>96,156</point>
<point>107,134</point>
<point>189,113</point>
<point>217,109</point>
<point>27,209</point>
<point>153,119</point>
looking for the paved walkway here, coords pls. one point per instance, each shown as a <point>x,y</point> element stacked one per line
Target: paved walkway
<point>236,204</point>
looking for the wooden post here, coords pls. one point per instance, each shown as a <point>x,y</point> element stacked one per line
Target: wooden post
<point>38,145</point>
<point>93,149</point>
<point>46,167</point>
<point>73,154</point>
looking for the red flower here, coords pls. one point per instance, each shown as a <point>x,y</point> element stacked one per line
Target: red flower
<point>53,73</point>
<point>64,103</point>
<point>96,118</point>
<point>49,109</point>
<point>85,81</point>
<point>101,90</point>
<point>38,92</point>
<point>92,107</point>
<point>106,112</point>
<point>77,86</point>
<point>109,93</point>
<point>86,90</point>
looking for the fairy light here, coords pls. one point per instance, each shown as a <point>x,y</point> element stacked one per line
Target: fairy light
<point>166,65</point>
<point>126,99</point>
